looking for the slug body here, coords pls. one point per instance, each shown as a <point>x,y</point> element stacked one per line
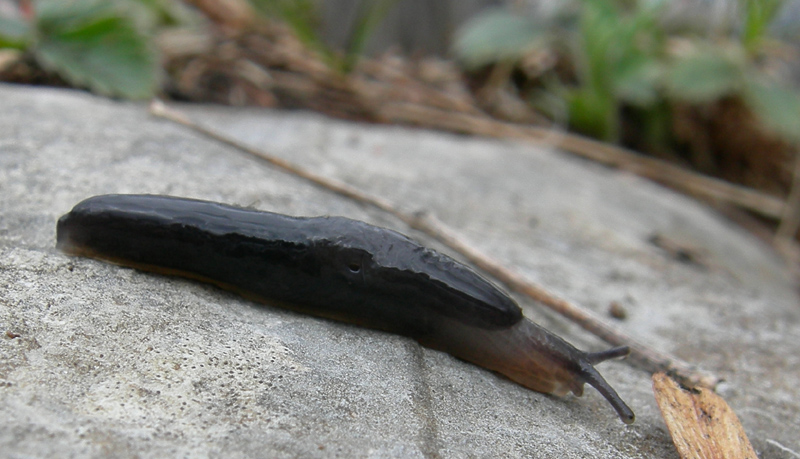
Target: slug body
<point>340,269</point>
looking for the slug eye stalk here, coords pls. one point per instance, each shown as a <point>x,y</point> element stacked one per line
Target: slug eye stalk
<point>594,379</point>
<point>596,357</point>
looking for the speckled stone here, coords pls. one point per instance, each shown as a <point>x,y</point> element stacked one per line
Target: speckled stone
<point>102,361</point>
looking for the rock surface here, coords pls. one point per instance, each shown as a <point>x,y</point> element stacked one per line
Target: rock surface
<point>99,360</point>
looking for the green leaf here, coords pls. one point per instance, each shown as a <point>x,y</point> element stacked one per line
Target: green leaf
<point>704,76</point>
<point>14,33</point>
<point>593,113</point>
<point>775,106</point>
<point>148,15</point>
<point>757,16</point>
<point>302,16</point>
<point>636,80</point>
<point>91,45</point>
<point>55,15</point>
<point>371,14</point>
<point>493,36</point>
<point>617,49</point>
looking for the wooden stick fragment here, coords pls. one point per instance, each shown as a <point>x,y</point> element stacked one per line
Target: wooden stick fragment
<point>641,355</point>
<point>654,169</point>
<point>701,423</point>
<point>790,216</point>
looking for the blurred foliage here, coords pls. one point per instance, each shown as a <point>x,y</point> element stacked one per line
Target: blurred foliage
<point>107,46</point>
<point>618,54</point>
<point>623,56</point>
<point>497,35</point>
<point>757,15</point>
<point>92,45</point>
<point>13,33</point>
<point>706,74</point>
<point>302,16</point>
<point>305,19</point>
<point>102,45</point>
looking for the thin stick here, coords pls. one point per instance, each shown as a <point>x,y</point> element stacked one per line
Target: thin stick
<point>790,216</point>
<point>378,93</point>
<point>654,169</point>
<point>641,355</point>
<point>784,240</point>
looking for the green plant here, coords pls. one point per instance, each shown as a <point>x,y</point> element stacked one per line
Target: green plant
<point>708,72</point>
<point>497,35</point>
<point>757,15</point>
<point>615,51</point>
<point>304,19</point>
<point>617,54</point>
<point>621,57</point>
<point>89,43</point>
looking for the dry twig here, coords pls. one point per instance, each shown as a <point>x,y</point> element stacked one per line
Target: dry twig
<point>785,235</point>
<point>654,169</point>
<point>389,90</point>
<point>641,355</point>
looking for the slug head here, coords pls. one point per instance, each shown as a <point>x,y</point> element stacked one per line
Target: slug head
<point>565,368</point>
<point>389,268</point>
<point>533,357</point>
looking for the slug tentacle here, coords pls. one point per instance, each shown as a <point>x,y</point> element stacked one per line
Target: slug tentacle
<point>340,269</point>
<point>613,353</point>
<point>532,357</point>
<point>591,376</point>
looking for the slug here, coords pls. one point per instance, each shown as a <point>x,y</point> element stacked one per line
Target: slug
<point>340,269</point>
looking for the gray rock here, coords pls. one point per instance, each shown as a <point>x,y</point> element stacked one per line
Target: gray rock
<point>99,360</point>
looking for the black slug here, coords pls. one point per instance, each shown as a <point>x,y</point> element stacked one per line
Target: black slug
<point>340,269</point>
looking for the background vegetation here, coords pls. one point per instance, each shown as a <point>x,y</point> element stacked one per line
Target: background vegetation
<point>720,100</point>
